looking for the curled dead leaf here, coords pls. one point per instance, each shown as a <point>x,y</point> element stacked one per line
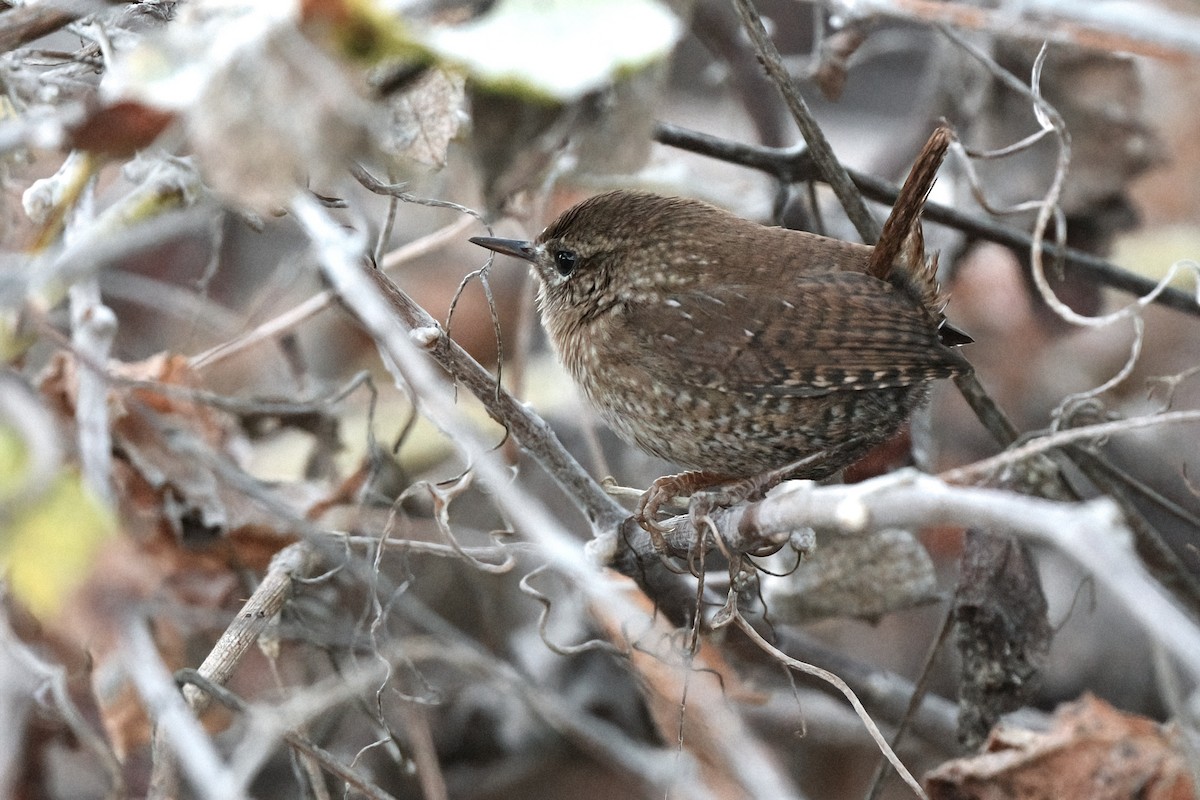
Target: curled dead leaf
<point>1092,750</point>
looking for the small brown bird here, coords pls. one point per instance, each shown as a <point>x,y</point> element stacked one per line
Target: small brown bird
<point>735,349</point>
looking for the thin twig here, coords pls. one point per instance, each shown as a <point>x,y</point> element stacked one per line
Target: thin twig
<point>795,165</point>
<point>914,701</point>
<point>294,316</point>
<point>258,612</point>
<point>886,693</point>
<point>178,734</point>
<point>833,680</point>
<point>1135,28</point>
<point>532,431</point>
<point>197,684</point>
<point>822,152</point>
<point>1061,438</point>
<point>1158,556</point>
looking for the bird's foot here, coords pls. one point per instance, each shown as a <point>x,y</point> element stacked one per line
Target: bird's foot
<point>663,492</point>
<point>712,490</point>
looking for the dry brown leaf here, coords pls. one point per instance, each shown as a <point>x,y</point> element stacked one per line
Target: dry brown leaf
<point>1091,751</point>
<point>187,530</point>
<point>427,117</point>
<point>163,489</point>
<point>120,129</point>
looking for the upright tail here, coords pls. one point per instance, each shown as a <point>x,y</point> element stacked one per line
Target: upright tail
<point>901,242</point>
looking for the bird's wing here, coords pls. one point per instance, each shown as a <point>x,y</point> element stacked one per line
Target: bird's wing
<point>817,334</point>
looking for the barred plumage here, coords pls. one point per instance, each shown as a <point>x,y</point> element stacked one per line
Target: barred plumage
<point>733,348</point>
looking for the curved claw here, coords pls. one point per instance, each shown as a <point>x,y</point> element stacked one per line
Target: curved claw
<point>662,492</point>
<point>651,501</point>
<point>708,490</point>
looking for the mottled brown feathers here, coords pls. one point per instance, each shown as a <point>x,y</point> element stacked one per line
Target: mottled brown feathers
<point>734,348</point>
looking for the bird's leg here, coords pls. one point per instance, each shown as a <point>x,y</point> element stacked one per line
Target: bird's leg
<point>708,491</point>
<point>711,490</point>
<point>666,489</point>
<point>731,492</point>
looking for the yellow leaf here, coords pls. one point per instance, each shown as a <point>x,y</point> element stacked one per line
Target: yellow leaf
<point>51,543</point>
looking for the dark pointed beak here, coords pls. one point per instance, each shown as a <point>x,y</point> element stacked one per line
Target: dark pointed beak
<point>509,247</point>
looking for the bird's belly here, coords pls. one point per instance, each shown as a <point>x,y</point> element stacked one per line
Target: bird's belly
<point>745,434</point>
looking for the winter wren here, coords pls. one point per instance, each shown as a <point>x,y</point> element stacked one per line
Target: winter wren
<point>736,349</point>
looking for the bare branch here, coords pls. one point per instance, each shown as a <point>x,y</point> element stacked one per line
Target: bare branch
<point>1044,444</point>
<point>1107,27</point>
<point>291,319</point>
<point>533,433</point>
<point>1092,534</point>
<point>208,774</point>
<point>837,683</point>
<point>25,23</point>
<point>259,612</point>
<point>822,152</point>
<point>794,164</point>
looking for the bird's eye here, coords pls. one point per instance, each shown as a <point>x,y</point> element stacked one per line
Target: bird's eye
<point>565,262</point>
